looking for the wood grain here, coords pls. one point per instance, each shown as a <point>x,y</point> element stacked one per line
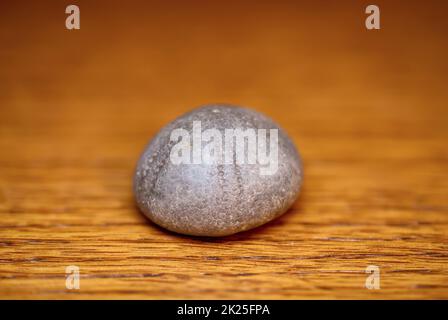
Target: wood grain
<point>367,109</point>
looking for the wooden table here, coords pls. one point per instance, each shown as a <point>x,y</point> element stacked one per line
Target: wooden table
<point>367,109</point>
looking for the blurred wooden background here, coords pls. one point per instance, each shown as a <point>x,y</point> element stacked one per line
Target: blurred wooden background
<point>367,109</point>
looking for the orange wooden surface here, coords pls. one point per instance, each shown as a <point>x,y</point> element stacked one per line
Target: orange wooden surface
<point>367,109</point>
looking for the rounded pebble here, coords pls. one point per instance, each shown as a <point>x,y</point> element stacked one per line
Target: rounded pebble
<point>212,172</point>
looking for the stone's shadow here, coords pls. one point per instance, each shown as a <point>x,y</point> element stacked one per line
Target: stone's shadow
<point>297,207</point>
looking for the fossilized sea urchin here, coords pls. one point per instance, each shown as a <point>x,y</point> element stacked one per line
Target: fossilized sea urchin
<point>216,171</point>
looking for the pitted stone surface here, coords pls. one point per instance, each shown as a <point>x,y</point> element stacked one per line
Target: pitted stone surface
<point>215,199</point>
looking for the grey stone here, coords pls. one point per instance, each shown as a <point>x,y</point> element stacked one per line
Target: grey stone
<point>215,199</point>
